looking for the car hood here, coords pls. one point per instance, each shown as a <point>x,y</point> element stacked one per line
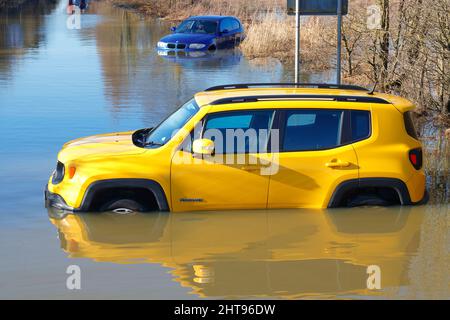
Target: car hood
<point>104,145</point>
<point>188,38</point>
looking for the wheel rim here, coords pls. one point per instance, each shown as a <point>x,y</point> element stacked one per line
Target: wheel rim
<point>123,211</point>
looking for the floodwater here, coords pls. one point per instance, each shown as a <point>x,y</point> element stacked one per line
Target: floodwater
<point>58,84</point>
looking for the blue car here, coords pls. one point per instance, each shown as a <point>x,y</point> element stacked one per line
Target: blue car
<point>204,33</point>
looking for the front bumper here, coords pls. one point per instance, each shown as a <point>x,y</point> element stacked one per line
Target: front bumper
<point>53,200</point>
<point>183,53</point>
<point>185,49</point>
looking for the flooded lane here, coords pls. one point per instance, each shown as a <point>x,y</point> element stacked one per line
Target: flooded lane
<point>278,253</point>
<point>293,254</point>
<point>63,84</point>
<point>58,84</point>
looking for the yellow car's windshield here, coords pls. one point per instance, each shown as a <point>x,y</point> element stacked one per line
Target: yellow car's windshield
<point>166,129</point>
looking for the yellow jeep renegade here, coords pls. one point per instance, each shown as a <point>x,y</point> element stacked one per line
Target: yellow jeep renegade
<point>251,146</point>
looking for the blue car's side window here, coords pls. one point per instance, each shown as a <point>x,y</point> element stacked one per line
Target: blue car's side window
<point>222,26</point>
<point>226,24</point>
<point>197,26</point>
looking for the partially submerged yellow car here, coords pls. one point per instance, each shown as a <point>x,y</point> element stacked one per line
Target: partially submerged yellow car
<point>251,146</point>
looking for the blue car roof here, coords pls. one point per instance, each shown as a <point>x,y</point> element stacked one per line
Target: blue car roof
<point>209,17</point>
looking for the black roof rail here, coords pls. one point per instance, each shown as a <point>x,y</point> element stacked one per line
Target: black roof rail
<point>307,97</point>
<point>287,84</point>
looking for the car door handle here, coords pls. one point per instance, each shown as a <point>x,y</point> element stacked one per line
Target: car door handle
<point>337,164</point>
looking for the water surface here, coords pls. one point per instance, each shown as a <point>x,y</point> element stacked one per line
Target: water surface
<point>58,84</point>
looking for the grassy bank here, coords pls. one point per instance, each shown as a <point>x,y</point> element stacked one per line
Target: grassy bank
<point>407,52</point>
<point>270,32</point>
<point>181,9</point>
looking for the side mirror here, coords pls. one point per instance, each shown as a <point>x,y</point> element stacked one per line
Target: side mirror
<point>203,147</point>
<point>173,29</point>
<point>225,31</point>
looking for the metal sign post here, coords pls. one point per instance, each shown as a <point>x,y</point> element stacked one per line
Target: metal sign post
<point>339,41</point>
<point>297,41</point>
<point>337,8</point>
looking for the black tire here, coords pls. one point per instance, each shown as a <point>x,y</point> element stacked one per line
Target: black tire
<point>212,48</point>
<point>123,206</point>
<point>368,200</point>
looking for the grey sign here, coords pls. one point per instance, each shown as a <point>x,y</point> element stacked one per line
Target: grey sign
<point>317,7</point>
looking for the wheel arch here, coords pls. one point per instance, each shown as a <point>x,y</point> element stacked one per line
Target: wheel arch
<point>347,186</point>
<point>150,185</point>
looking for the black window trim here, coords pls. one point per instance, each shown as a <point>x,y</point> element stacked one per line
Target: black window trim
<point>279,119</point>
<point>351,129</point>
<point>408,123</point>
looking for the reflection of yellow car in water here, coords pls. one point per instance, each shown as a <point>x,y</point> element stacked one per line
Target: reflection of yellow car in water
<point>285,254</point>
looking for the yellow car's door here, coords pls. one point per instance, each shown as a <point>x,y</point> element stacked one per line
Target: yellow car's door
<point>314,158</point>
<point>236,175</point>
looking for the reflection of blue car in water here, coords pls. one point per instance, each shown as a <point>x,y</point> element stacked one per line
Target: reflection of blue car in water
<point>200,59</point>
<point>204,33</point>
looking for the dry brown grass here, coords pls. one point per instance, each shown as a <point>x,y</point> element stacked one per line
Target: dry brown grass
<point>243,9</point>
<point>177,10</point>
<point>272,36</point>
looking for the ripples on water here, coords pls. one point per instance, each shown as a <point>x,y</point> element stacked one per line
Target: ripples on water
<point>58,84</point>
<point>276,253</point>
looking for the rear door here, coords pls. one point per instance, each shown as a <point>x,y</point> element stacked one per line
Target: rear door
<point>313,159</point>
<point>237,34</point>
<point>226,34</point>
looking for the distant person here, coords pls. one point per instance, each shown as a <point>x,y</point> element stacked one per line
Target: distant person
<point>70,8</point>
<point>83,4</point>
